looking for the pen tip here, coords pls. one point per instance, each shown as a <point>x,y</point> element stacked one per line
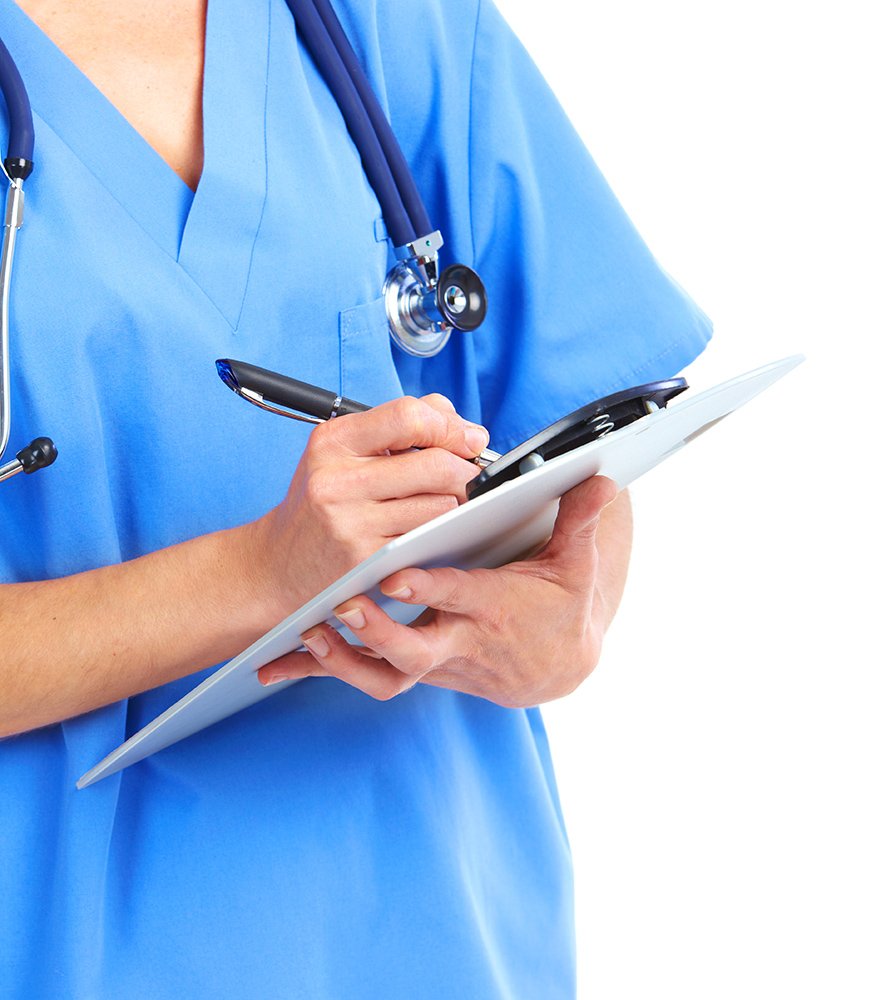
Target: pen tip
<point>224,370</point>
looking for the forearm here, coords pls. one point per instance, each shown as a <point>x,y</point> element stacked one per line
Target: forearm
<point>614,536</point>
<point>79,642</point>
<point>76,643</point>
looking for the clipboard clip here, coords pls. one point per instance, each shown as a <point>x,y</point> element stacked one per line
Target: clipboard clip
<point>588,423</point>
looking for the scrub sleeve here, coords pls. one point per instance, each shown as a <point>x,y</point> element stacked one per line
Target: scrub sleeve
<point>319,844</point>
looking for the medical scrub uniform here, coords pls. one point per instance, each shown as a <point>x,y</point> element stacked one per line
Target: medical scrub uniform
<point>320,844</point>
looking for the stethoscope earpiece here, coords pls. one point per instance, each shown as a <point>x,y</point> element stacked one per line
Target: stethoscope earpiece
<point>40,453</point>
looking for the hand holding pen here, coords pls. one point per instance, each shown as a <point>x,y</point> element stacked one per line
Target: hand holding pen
<point>297,400</point>
<point>360,483</point>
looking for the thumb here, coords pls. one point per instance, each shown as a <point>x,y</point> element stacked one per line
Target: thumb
<point>572,540</point>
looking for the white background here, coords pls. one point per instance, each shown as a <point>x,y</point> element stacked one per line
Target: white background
<point>725,772</point>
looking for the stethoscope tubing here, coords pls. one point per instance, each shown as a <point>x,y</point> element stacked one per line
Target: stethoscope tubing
<point>10,232</point>
<point>382,159</point>
<point>21,148</point>
<point>402,175</point>
<point>21,123</point>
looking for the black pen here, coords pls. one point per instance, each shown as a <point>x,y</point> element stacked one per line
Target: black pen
<point>283,395</point>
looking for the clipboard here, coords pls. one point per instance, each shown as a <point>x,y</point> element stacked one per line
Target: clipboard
<point>489,530</point>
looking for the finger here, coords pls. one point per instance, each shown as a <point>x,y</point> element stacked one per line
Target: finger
<point>446,589</point>
<point>291,666</point>
<point>431,470</point>
<point>392,518</point>
<point>464,682</point>
<point>339,659</point>
<point>404,423</point>
<point>407,649</point>
<point>573,537</point>
<point>439,402</point>
<point>365,651</point>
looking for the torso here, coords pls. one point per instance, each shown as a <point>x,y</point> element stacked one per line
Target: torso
<point>321,844</point>
<point>147,59</point>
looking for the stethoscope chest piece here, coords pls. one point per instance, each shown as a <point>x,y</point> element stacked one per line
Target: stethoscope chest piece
<point>423,306</point>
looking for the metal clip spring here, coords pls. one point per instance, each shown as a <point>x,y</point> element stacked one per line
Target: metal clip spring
<point>600,425</point>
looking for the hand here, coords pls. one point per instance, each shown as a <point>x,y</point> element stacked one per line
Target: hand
<point>520,635</point>
<point>357,486</point>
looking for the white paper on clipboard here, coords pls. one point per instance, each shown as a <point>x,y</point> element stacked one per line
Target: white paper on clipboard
<point>488,531</point>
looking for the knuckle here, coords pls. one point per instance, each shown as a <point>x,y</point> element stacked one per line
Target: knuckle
<point>451,590</point>
<point>442,467</point>
<point>411,412</point>
<point>574,682</point>
<point>416,665</point>
<point>386,690</point>
<point>443,503</point>
<point>513,692</point>
<point>361,479</point>
<point>439,402</point>
<point>449,600</point>
<point>591,657</point>
<point>320,489</point>
<point>532,691</point>
<point>320,438</point>
<point>567,684</point>
<point>461,471</point>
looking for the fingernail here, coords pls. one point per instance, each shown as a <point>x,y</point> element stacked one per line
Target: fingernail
<point>403,594</point>
<point>275,679</point>
<point>317,644</point>
<point>352,618</point>
<point>476,438</point>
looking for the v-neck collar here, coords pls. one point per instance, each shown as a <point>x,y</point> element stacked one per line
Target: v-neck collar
<point>211,233</point>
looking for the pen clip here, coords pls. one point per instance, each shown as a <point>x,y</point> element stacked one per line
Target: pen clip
<point>258,400</point>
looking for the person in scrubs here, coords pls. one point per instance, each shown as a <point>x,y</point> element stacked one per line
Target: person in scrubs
<point>390,826</point>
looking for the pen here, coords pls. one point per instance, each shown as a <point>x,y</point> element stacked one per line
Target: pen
<point>283,395</point>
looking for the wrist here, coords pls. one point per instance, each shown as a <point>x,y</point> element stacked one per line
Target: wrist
<point>252,578</point>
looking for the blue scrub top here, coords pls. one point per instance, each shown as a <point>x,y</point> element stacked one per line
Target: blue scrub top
<point>320,844</point>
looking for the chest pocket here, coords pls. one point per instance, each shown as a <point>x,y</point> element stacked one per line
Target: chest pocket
<point>367,371</point>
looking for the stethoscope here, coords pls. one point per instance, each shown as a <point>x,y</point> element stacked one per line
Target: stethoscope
<point>17,166</point>
<point>423,306</point>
